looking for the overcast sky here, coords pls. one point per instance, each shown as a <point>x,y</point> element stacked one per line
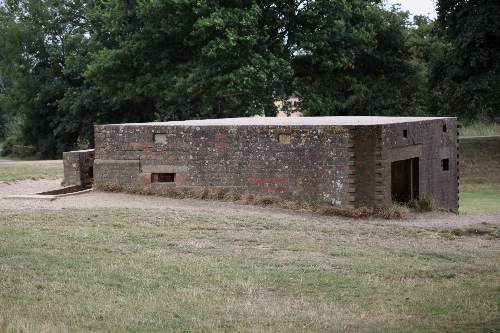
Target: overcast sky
<point>417,7</point>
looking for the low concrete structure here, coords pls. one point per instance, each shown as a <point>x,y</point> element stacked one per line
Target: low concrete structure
<point>78,167</point>
<point>357,161</point>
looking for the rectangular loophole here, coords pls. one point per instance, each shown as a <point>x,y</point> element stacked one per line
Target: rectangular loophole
<point>160,138</point>
<point>162,177</point>
<point>405,133</point>
<point>445,164</point>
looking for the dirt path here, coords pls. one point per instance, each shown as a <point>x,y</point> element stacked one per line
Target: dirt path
<point>97,199</point>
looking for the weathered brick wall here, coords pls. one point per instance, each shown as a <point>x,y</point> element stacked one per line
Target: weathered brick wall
<point>342,165</point>
<point>369,183</point>
<point>431,141</point>
<point>78,167</point>
<point>300,162</point>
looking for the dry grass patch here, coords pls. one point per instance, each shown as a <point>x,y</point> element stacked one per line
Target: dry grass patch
<point>220,194</point>
<point>480,129</point>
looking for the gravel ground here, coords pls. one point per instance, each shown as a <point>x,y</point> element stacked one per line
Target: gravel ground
<point>96,199</point>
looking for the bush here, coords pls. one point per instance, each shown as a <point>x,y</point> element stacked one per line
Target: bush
<point>13,147</point>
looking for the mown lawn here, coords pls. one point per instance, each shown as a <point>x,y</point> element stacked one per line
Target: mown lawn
<point>151,270</point>
<point>13,171</point>
<point>480,199</point>
<point>480,175</point>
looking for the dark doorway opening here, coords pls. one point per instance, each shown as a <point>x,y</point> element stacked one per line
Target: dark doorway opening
<point>91,173</point>
<point>404,180</point>
<point>87,176</point>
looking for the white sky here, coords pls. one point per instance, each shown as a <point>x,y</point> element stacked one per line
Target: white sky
<point>417,7</point>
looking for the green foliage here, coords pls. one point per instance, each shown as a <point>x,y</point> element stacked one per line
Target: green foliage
<point>41,42</point>
<point>3,124</point>
<point>187,59</point>
<point>465,81</point>
<point>66,65</point>
<point>356,62</point>
<point>13,146</point>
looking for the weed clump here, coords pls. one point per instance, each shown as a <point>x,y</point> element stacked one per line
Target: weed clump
<point>425,204</point>
<point>268,201</point>
<point>392,212</point>
<point>232,196</point>
<point>220,194</point>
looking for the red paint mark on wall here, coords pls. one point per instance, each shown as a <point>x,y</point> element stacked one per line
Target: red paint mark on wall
<point>220,136</point>
<point>180,178</point>
<point>172,158</point>
<point>151,154</point>
<point>273,189</point>
<point>145,179</point>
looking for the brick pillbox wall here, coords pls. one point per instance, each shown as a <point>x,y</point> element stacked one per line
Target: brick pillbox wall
<point>342,165</point>
<point>264,160</point>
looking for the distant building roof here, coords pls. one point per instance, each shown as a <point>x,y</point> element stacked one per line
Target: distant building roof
<point>290,121</point>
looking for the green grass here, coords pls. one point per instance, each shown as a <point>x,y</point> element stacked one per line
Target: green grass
<point>480,175</point>
<point>164,270</point>
<point>22,171</point>
<point>480,200</point>
<point>480,129</point>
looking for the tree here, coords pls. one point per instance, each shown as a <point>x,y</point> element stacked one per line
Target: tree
<point>174,60</point>
<point>3,112</point>
<point>427,49</point>
<point>41,44</point>
<point>67,64</point>
<point>466,81</point>
<point>355,59</point>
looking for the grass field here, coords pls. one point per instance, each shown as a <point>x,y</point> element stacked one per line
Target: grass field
<point>480,200</point>
<point>480,175</point>
<point>480,129</point>
<point>151,270</point>
<point>22,170</point>
<point>138,270</point>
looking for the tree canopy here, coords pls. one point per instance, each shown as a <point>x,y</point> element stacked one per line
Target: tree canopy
<point>466,80</point>
<point>68,64</point>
